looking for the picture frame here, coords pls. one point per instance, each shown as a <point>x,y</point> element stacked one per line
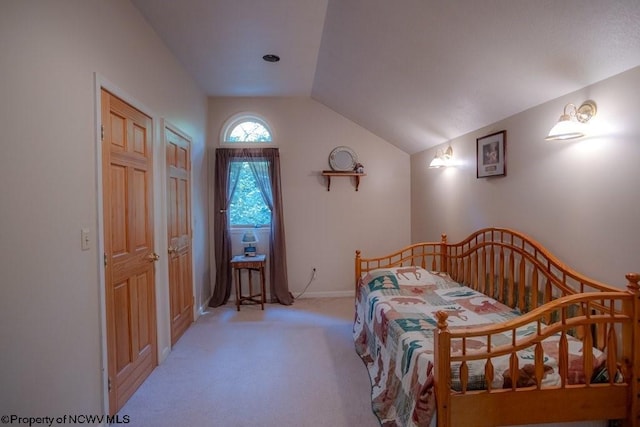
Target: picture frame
<point>491,155</point>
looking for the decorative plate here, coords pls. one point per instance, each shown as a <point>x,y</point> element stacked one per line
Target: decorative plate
<point>343,159</point>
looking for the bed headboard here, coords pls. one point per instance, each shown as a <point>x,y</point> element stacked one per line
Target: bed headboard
<point>514,269</point>
<point>428,255</point>
<point>499,262</point>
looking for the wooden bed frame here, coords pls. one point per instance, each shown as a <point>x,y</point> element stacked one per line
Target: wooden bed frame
<point>520,273</point>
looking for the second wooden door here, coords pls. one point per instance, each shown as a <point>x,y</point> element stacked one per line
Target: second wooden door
<point>178,149</point>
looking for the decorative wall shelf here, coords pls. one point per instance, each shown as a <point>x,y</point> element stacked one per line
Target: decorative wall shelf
<point>329,174</point>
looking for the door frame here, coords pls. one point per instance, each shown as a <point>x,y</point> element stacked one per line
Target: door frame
<point>163,331</point>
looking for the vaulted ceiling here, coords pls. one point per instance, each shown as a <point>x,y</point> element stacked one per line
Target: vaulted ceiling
<point>414,72</point>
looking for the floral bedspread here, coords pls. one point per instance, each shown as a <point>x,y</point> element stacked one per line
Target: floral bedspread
<point>393,333</point>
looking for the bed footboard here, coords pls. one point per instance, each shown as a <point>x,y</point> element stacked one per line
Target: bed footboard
<point>604,392</point>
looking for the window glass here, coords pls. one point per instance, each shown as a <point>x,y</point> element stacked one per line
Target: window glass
<point>247,207</point>
<point>249,132</point>
<point>246,128</point>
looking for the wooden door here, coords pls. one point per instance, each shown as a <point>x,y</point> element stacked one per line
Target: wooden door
<point>179,232</point>
<point>128,243</point>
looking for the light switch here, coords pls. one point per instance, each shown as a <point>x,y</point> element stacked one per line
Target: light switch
<point>85,243</point>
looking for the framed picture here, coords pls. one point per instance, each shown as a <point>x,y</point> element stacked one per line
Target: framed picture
<point>490,153</point>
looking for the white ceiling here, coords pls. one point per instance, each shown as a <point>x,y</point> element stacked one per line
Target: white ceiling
<point>415,72</point>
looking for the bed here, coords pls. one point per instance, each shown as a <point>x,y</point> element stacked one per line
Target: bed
<point>490,331</point>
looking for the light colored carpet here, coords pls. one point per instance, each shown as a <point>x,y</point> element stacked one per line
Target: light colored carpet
<point>285,366</point>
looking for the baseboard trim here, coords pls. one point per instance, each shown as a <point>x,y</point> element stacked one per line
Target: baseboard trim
<point>203,308</point>
<point>164,354</point>
<point>327,294</point>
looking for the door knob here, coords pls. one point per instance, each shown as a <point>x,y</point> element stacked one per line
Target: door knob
<point>153,257</point>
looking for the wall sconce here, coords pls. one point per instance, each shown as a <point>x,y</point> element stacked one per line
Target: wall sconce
<point>249,239</point>
<point>567,127</point>
<point>442,159</point>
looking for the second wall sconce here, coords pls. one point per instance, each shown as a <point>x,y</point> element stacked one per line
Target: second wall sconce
<point>442,159</point>
<point>571,122</point>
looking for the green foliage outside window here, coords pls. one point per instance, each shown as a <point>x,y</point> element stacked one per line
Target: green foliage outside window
<point>247,207</point>
<point>249,131</point>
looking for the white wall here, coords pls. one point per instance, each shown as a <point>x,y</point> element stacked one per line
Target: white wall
<point>324,228</point>
<point>581,199</point>
<point>50,326</point>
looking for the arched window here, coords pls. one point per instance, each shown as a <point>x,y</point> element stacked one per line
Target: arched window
<point>246,128</point>
<point>247,207</point>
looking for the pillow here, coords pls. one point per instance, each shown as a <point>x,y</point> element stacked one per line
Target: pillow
<point>394,277</point>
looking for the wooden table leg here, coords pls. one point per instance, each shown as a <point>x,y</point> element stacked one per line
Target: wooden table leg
<point>264,293</point>
<point>238,285</point>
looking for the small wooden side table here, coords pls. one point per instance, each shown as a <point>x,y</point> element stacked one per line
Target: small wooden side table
<point>250,263</point>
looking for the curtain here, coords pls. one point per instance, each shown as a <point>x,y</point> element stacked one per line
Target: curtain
<point>265,166</point>
<point>222,239</point>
